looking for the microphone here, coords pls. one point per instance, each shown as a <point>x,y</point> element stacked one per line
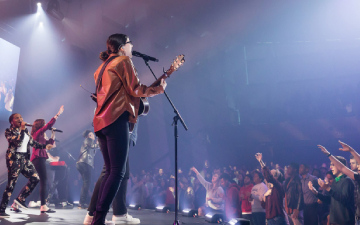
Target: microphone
<point>145,57</point>
<point>28,124</point>
<point>56,130</point>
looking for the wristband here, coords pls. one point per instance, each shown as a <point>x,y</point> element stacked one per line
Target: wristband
<point>329,155</point>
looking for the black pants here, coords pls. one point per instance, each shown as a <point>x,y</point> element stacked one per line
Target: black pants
<point>114,145</point>
<point>40,166</point>
<point>85,171</point>
<point>258,218</point>
<point>18,163</point>
<point>311,214</point>
<point>119,203</point>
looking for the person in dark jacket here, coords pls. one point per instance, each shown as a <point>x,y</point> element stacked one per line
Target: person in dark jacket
<point>232,201</point>
<point>341,192</point>
<point>85,165</point>
<point>293,195</point>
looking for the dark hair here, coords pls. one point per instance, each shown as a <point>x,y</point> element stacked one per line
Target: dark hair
<point>39,123</point>
<point>86,133</point>
<point>294,166</point>
<point>351,157</point>
<point>249,176</point>
<point>259,174</point>
<point>113,45</point>
<point>330,172</point>
<point>341,159</point>
<point>307,166</point>
<point>12,117</point>
<point>315,170</point>
<point>225,176</point>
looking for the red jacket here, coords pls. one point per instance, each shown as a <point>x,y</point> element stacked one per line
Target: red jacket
<point>232,202</point>
<point>243,195</point>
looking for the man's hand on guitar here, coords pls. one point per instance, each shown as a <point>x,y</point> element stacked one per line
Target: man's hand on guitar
<point>163,83</point>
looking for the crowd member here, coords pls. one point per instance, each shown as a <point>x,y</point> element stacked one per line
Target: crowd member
<point>160,193</point>
<point>310,200</point>
<point>170,195</point>
<point>138,190</point>
<point>324,207</point>
<point>186,195</point>
<point>294,195</point>
<point>341,192</point>
<point>257,196</point>
<point>274,197</point>
<point>245,192</point>
<point>316,173</point>
<point>199,194</point>
<point>214,194</point>
<point>353,174</point>
<point>231,197</point>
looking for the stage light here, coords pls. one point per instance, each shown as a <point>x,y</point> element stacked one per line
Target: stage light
<point>214,217</point>
<point>162,208</point>
<point>239,221</point>
<point>39,4</point>
<point>190,212</point>
<point>53,9</point>
<point>135,206</point>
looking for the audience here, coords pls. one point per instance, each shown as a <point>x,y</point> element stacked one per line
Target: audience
<point>270,195</point>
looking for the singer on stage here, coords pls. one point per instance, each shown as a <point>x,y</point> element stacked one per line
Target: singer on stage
<point>118,92</point>
<point>39,155</point>
<point>18,161</point>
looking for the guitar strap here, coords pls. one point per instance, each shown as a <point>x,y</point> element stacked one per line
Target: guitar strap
<point>98,81</point>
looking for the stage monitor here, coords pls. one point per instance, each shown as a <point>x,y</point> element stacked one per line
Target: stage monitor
<point>9,63</point>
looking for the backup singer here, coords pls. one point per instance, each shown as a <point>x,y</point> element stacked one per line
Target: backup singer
<point>85,165</point>
<point>118,99</point>
<point>17,161</point>
<point>39,155</point>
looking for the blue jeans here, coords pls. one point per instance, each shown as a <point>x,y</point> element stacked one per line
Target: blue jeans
<point>278,220</point>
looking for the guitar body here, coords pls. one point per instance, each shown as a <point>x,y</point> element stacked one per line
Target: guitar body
<point>144,107</point>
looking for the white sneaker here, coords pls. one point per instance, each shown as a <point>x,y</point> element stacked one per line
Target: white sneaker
<point>33,204</point>
<point>125,219</point>
<point>88,219</point>
<point>109,222</point>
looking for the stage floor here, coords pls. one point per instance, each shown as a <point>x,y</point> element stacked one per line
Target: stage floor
<point>76,216</point>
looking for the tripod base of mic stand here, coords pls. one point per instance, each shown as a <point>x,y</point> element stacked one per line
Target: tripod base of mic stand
<point>176,222</point>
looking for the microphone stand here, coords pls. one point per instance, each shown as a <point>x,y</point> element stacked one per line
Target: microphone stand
<point>176,118</point>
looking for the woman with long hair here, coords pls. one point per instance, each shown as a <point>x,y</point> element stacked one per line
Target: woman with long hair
<point>17,161</point>
<point>40,155</point>
<point>214,194</point>
<point>85,164</point>
<point>118,93</point>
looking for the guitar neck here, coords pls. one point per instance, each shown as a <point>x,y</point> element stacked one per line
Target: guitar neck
<point>157,82</point>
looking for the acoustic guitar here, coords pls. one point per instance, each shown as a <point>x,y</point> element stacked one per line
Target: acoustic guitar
<point>144,107</point>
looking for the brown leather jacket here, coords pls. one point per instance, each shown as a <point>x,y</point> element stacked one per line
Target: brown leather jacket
<point>119,91</point>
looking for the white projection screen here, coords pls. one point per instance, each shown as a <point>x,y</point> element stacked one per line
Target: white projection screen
<point>9,63</point>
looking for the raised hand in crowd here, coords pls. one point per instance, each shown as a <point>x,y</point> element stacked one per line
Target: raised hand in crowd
<point>324,185</point>
<point>340,166</point>
<point>311,187</point>
<point>195,170</point>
